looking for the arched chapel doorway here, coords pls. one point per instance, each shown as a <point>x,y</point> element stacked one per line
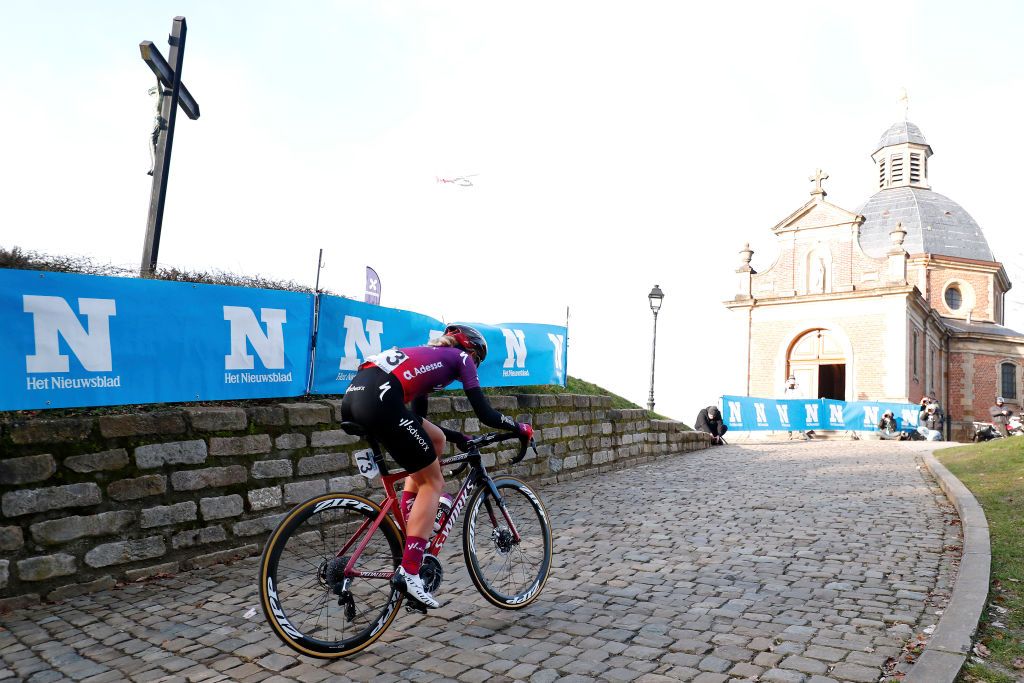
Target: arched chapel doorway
<point>817,361</point>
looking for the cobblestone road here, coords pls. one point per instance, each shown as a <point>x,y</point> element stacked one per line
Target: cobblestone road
<point>792,562</point>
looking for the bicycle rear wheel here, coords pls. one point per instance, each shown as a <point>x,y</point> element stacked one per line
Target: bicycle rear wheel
<point>302,579</point>
<point>509,573</point>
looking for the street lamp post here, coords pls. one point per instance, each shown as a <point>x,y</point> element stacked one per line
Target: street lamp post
<point>655,298</point>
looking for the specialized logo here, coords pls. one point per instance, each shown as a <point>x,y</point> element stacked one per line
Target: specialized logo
<point>453,516</point>
<point>515,348</point>
<point>422,370</point>
<point>362,340</point>
<point>246,331</point>
<point>52,318</point>
<point>384,389</point>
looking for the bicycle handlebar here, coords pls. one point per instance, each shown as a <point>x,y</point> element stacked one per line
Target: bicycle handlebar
<point>474,445</point>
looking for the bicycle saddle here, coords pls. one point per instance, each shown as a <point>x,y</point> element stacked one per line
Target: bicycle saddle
<point>353,428</point>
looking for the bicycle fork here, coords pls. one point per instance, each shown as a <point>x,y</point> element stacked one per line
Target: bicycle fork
<point>504,512</point>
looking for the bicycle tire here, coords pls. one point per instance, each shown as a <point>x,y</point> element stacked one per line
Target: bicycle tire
<point>295,571</point>
<point>496,563</point>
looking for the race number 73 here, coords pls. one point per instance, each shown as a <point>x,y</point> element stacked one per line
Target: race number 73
<point>366,465</point>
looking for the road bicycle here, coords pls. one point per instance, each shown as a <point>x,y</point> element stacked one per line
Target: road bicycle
<point>325,573</point>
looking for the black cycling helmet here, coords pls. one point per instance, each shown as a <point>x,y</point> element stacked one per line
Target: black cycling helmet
<point>470,339</point>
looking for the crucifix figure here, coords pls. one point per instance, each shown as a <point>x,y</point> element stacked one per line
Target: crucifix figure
<point>905,102</point>
<point>171,93</point>
<point>818,176</point>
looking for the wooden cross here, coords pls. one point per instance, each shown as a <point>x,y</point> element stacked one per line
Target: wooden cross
<point>168,74</point>
<point>818,176</point>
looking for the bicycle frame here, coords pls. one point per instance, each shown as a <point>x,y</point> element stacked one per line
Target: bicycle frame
<point>389,505</point>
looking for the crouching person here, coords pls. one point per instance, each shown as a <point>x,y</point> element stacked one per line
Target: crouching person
<point>709,421</point>
<point>887,428</point>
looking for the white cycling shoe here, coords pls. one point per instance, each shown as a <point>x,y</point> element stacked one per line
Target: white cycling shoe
<point>412,585</point>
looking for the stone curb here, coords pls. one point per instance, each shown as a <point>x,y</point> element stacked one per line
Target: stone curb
<point>950,645</point>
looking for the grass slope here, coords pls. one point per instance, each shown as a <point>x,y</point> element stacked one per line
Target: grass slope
<point>994,472</point>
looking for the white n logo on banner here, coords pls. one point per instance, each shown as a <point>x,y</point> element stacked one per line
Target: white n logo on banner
<point>515,346</point>
<point>760,415</point>
<point>870,416</point>
<point>783,413</point>
<point>244,327</point>
<point>835,414</point>
<point>367,340</point>
<point>735,416</point>
<point>910,416</point>
<point>52,316</point>
<point>811,413</point>
<point>558,341</point>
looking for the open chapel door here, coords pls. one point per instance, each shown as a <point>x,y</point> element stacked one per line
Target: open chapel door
<point>817,361</point>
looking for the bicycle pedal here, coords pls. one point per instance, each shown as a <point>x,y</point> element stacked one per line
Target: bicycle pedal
<point>414,605</point>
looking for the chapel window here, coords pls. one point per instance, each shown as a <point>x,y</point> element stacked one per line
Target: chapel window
<point>954,298</point>
<point>881,173</point>
<point>914,353</point>
<point>1008,380</point>
<point>915,167</point>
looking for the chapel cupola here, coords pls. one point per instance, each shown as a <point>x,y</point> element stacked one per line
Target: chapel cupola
<point>901,157</point>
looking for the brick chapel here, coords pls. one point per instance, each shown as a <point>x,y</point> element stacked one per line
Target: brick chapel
<point>896,300</point>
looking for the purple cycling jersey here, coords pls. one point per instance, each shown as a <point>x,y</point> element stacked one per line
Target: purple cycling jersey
<point>423,369</point>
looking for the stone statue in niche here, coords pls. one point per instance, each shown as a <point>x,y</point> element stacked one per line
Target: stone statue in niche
<point>818,276</point>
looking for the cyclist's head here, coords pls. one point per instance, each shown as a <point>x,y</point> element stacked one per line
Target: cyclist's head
<point>1000,401</point>
<point>469,339</point>
<point>713,412</point>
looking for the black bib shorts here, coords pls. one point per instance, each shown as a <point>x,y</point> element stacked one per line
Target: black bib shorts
<point>375,400</point>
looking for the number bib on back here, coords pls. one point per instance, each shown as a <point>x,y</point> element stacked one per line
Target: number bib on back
<point>388,360</point>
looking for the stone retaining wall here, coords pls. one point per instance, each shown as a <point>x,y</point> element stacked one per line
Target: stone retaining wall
<point>87,502</point>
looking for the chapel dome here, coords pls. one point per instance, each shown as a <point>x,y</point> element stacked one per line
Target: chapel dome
<point>935,224</point>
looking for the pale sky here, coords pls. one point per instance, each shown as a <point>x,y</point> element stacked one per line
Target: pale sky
<point>611,146</point>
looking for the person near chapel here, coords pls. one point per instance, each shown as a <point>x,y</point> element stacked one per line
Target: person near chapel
<point>1000,413</point>
<point>929,419</point>
<point>792,391</point>
<point>709,420</point>
<point>887,427</point>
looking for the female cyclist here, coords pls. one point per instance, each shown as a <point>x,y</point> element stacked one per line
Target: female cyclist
<point>377,400</point>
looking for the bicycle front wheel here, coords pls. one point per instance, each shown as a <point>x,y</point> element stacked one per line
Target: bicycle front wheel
<point>309,601</point>
<point>509,572</point>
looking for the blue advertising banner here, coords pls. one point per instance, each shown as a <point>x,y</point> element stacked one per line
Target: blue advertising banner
<point>746,413</point>
<point>84,340</point>
<point>520,354</point>
<point>350,331</point>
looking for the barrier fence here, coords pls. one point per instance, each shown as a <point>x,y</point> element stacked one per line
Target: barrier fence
<point>746,413</point>
<point>73,340</point>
